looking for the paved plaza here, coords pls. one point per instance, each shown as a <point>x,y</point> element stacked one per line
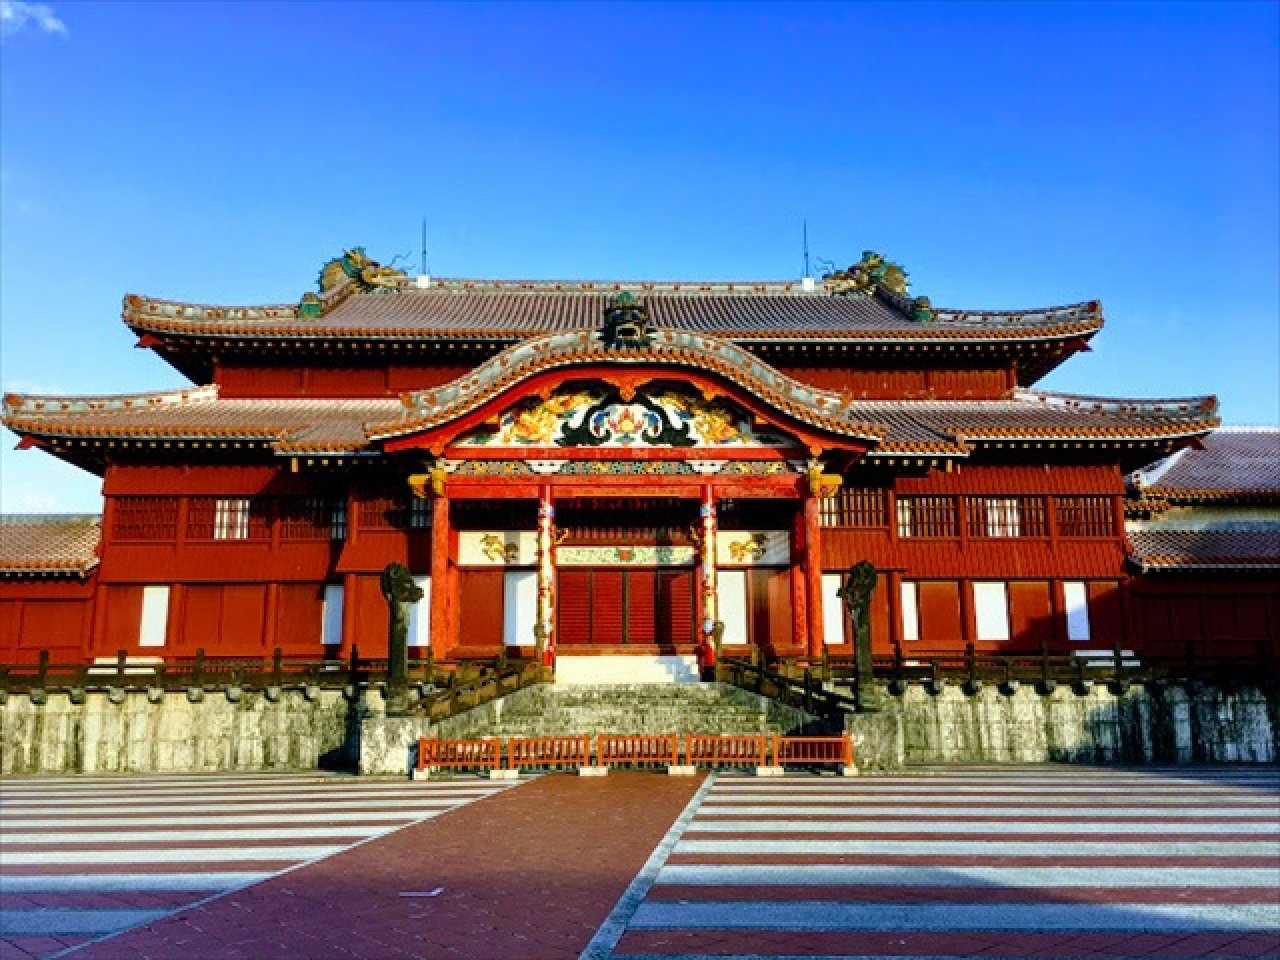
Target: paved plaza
<point>958,862</point>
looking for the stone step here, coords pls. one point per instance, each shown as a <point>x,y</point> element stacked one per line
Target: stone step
<point>664,708</point>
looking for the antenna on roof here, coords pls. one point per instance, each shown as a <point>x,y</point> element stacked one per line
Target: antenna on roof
<point>424,278</point>
<point>806,282</point>
<point>806,248</point>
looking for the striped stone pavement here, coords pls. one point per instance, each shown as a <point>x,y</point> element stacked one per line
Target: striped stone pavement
<point>82,857</point>
<point>960,862</point>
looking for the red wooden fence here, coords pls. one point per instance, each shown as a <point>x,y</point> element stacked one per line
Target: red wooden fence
<point>548,752</point>
<point>726,751</point>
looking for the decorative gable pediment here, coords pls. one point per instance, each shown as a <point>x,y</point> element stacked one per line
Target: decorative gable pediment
<point>601,416</point>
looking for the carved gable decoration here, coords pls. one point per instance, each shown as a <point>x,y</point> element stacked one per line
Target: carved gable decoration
<point>599,416</point>
<point>626,323</point>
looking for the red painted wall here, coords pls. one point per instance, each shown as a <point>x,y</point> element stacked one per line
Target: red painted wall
<point>53,613</point>
<point>987,383</point>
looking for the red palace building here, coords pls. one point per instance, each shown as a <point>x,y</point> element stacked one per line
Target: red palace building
<point>592,471</point>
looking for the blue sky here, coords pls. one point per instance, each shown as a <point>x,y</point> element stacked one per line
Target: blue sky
<point>1008,155</point>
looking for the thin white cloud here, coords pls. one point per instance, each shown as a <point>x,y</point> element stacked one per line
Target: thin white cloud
<point>18,16</point>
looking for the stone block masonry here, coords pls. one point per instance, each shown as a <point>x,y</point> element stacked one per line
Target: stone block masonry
<point>1168,724</point>
<point>138,732</point>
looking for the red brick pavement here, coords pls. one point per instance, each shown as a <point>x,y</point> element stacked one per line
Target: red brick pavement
<point>528,873</point>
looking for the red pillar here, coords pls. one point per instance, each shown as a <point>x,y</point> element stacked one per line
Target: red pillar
<point>799,606</point>
<point>813,573</point>
<point>440,579</point>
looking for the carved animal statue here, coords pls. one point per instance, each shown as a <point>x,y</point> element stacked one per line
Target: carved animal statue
<point>399,590</point>
<point>356,266</point>
<point>398,586</point>
<point>859,583</point>
<point>872,271</point>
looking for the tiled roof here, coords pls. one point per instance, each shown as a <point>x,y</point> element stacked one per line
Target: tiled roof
<point>1033,414</point>
<point>32,544</point>
<point>509,310</point>
<point>1232,463</point>
<point>200,414</point>
<point>319,426</point>
<point>1158,549</point>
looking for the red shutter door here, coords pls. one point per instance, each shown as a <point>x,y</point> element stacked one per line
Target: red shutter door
<point>642,601</point>
<point>573,619</point>
<point>480,616</point>
<point>606,607</point>
<point>675,607</point>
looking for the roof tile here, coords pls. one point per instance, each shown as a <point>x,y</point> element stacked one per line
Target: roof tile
<point>49,543</point>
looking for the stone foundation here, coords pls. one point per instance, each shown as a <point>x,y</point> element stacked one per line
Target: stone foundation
<point>1166,725</point>
<point>141,732</point>
<point>167,732</point>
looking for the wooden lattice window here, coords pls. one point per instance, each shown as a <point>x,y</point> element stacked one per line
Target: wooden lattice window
<point>228,518</point>
<point>395,513</point>
<point>313,518</point>
<point>1085,517</point>
<point>927,517</point>
<point>1006,517</point>
<point>855,508</point>
<point>145,518</point>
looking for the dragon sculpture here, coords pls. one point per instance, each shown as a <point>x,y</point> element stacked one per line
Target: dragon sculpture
<point>873,272</point>
<point>356,267</point>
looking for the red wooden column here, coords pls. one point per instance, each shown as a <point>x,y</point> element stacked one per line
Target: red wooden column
<point>709,601</point>
<point>813,573</point>
<point>546,620</point>
<point>441,582</point>
<point>799,608</point>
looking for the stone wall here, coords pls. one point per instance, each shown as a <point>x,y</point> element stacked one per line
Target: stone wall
<point>1170,724</point>
<point>159,732</point>
<point>141,732</point>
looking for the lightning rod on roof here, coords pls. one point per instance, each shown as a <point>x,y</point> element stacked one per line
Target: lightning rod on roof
<point>424,247</point>
<point>806,282</point>
<point>424,278</point>
<point>806,247</point>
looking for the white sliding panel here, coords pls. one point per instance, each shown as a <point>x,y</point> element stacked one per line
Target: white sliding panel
<point>832,609</point>
<point>420,615</point>
<point>519,608</point>
<point>910,611</point>
<point>1076,595</point>
<point>991,606</point>
<point>155,617</point>
<point>731,601</point>
<point>331,620</point>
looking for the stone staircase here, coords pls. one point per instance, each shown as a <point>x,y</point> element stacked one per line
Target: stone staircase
<point>549,710</point>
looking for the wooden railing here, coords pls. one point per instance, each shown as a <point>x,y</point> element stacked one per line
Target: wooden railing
<point>632,751</point>
<point>637,750</point>
<point>1041,669</point>
<point>730,751</point>
<point>803,689</point>
<point>548,753</point>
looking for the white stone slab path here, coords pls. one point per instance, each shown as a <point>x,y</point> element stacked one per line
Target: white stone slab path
<point>1050,861</point>
<point>133,841</point>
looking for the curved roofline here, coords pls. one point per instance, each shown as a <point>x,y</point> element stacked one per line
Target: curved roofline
<point>812,406</point>
<point>154,315</point>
